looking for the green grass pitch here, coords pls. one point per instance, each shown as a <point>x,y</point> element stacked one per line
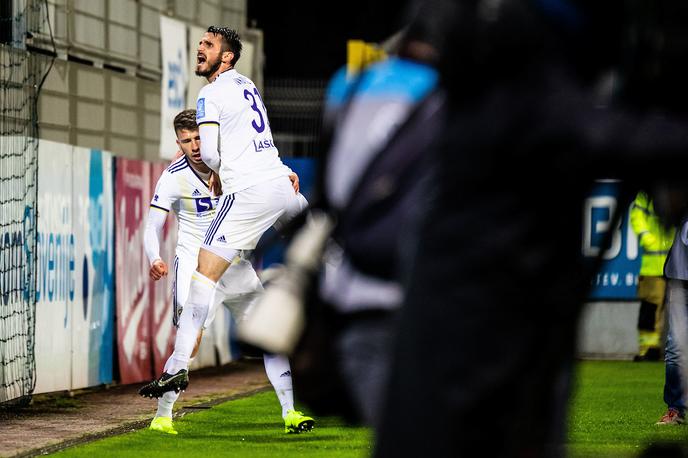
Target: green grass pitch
<point>250,427</point>
<point>613,413</point>
<point>615,407</point>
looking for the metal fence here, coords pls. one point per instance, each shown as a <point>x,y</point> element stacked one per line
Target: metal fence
<point>295,112</point>
<point>21,79</point>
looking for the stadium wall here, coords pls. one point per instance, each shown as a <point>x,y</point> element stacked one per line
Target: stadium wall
<point>101,97</point>
<point>97,309</point>
<point>104,90</point>
<point>608,325</point>
<point>75,290</point>
<point>609,330</point>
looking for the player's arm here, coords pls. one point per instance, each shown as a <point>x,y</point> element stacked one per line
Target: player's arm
<point>165,195</point>
<point>208,120</point>
<point>151,242</point>
<point>210,148</point>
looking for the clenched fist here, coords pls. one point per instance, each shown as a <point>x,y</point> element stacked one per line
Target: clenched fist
<point>158,270</point>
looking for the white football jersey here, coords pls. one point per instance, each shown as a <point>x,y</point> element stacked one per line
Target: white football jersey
<point>248,155</point>
<point>181,189</point>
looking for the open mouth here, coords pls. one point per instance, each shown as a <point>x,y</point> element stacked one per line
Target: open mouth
<point>200,58</point>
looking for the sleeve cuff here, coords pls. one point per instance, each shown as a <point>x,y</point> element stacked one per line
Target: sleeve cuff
<point>160,208</point>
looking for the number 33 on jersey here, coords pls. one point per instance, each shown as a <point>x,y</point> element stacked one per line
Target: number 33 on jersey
<point>248,155</point>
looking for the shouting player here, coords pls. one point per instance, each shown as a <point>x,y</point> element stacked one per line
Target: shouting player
<point>185,188</point>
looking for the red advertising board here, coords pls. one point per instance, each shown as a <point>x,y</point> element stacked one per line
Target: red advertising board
<point>160,298</point>
<point>144,315</point>
<point>132,195</point>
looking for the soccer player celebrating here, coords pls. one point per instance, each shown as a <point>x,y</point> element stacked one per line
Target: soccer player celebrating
<point>185,188</point>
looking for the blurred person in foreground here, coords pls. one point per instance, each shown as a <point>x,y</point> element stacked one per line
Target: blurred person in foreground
<point>486,339</point>
<point>655,240</point>
<point>382,120</point>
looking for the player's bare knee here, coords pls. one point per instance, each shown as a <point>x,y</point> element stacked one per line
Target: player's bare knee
<point>211,265</point>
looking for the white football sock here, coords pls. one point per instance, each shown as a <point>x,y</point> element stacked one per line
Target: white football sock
<point>190,322</point>
<point>165,404</point>
<point>279,373</point>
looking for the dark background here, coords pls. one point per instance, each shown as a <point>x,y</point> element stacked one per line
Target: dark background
<point>307,39</point>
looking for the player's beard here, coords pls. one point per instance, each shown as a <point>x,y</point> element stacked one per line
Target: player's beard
<point>212,68</point>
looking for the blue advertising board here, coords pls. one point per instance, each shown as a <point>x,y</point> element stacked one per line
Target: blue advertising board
<point>75,320</point>
<point>617,278</point>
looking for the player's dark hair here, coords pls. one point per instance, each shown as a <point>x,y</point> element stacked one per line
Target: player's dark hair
<point>185,120</point>
<point>230,40</point>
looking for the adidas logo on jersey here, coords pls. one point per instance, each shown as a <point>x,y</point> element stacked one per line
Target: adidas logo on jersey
<point>286,374</point>
<point>222,239</point>
<point>196,193</point>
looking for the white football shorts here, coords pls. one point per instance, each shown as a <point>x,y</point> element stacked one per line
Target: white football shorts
<point>243,217</point>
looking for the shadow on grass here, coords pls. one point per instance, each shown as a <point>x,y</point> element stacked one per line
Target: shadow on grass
<point>263,438</point>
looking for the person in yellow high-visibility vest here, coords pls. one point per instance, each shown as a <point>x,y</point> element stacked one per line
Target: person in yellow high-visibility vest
<point>655,240</point>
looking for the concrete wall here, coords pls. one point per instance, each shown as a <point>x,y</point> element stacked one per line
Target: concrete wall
<point>93,107</point>
<point>104,89</point>
<point>608,330</point>
<point>127,32</point>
